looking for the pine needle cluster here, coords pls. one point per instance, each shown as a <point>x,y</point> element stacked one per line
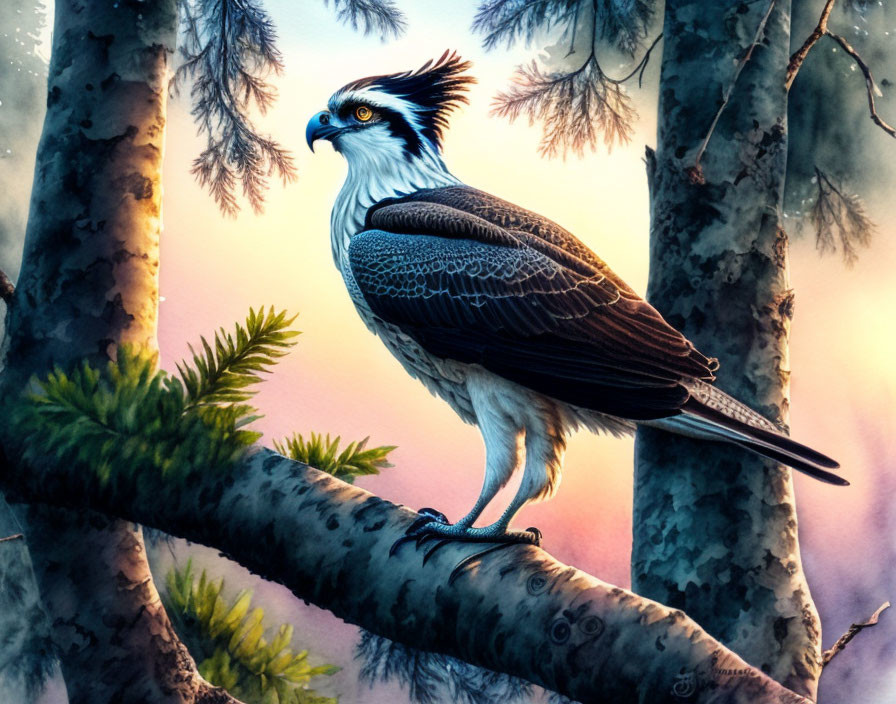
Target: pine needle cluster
<point>578,103</point>
<point>227,640</point>
<point>128,419</point>
<point>322,453</point>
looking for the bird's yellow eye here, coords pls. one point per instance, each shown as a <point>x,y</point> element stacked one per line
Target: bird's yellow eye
<point>363,113</point>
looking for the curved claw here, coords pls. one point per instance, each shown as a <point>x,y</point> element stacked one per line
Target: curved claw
<point>509,539</point>
<point>536,534</point>
<point>413,532</point>
<point>435,548</point>
<point>424,538</point>
<point>470,559</point>
<point>398,543</point>
<point>434,515</point>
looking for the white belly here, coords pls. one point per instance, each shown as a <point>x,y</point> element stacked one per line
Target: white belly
<point>444,378</point>
<point>447,378</point>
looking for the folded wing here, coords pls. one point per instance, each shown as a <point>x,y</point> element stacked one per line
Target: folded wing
<point>522,298</point>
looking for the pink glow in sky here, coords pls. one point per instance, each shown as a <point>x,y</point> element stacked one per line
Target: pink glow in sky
<point>340,379</point>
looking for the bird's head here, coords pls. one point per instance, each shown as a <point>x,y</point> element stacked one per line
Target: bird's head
<point>400,115</point>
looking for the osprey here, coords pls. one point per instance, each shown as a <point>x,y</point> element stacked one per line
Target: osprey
<point>505,315</point>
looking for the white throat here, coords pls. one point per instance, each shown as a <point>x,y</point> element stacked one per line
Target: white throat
<point>378,170</point>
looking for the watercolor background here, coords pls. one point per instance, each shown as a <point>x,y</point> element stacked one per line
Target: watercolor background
<point>340,379</point>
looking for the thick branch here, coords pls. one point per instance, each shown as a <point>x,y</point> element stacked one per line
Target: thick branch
<point>7,289</point>
<point>518,611</point>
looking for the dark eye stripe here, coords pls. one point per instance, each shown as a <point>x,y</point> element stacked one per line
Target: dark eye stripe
<point>400,128</point>
<point>395,121</point>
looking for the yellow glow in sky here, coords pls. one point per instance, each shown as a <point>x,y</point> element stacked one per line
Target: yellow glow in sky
<point>341,379</point>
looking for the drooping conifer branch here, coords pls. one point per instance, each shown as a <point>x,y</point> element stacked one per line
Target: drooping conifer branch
<point>579,105</point>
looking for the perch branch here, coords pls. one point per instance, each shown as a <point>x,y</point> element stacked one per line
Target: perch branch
<point>851,633</point>
<point>695,172</point>
<point>517,611</point>
<point>797,58</point>
<point>6,288</point>
<point>17,536</point>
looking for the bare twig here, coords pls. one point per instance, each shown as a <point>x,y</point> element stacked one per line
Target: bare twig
<point>870,85</point>
<point>695,172</point>
<point>6,288</point>
<point>851,633</point>
<point>821,30</point>
<point>641,66</point>
<point>796,60</point>
<point>17,536</point>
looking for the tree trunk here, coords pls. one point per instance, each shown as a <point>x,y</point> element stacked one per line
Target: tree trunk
<point>89,281</point>
<point>516,611</point>
<point>26,653</point>
<point>715,531</point>
<point>26,656</point>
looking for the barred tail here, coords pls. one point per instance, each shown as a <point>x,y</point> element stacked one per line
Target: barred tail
<point>712,414</point>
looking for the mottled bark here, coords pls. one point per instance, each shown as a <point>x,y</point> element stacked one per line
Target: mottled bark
<point>26,653</point>
<point>520,612</point>
<point>89,280</point>
<point>715,530</point>
<point>26,658</point>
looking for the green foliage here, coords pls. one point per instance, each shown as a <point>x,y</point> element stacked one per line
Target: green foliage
<point>222,375</point>
<point>127,419</point>
<point>322,453</point>
<point>227,640</point>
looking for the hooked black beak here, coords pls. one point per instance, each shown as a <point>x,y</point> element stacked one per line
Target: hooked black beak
<point>319,127</point>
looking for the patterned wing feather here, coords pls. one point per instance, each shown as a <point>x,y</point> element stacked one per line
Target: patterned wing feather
<point>530,308</point>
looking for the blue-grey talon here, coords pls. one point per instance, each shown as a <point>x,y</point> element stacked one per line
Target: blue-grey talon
<point>432,513</point>
<point>435,548</point>
<point>398,543</point>
<point>470,559</point>
<point>424,538</point>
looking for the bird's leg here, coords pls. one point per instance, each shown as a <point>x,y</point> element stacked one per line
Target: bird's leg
<point>545,444</point>
<point>503,449</point>
<point>498,533</point>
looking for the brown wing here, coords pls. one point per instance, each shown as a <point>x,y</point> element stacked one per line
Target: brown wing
<point>508,216</point>
<point>521,306</point>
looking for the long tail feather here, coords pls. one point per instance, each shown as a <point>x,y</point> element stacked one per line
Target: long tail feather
<point>714,415</point>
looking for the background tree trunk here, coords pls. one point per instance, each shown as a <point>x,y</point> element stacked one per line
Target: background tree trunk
<point>715,528</point>
<point>26,653</point>
<point>89,281</point>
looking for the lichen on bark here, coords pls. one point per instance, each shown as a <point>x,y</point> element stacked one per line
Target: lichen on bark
<point>715,529</point>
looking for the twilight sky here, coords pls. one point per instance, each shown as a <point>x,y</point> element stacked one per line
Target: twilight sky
<point>340,379</point>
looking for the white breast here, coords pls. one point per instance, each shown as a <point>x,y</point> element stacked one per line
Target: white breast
<point>370,179</point>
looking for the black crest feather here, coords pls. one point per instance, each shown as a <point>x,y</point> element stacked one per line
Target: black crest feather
<point>436,88</point>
